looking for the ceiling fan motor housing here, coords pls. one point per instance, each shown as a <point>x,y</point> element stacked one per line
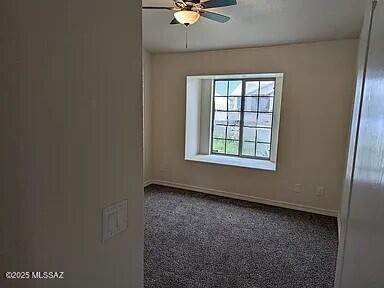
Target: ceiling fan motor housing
<point>188,5</point>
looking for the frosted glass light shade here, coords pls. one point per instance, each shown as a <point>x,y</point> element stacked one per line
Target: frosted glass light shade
<point>187,17</point>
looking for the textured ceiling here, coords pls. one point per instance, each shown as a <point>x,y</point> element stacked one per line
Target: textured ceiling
<point>255,23</point>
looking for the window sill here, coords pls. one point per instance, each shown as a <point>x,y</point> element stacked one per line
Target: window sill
<point>234,161</point>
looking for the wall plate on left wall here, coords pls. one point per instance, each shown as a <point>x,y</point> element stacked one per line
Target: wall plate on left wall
<point>115,219</point>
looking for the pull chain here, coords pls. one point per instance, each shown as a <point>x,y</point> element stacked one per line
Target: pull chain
<point>186,37</point>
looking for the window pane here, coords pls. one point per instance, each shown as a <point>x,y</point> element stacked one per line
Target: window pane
<point>233,132</point>
<point>248,149</point>
<point>234,103</point>
<point>250,104</point>
<point>252,88</point>
<point>249,134</point>
<point>250,119</point>
<point>262,150</point>
<point>267,88</point>
<point>218,146</point>
<point>263,135</point>
<point>264,120</point>
<point>235,88</point>
<point>221,103</point>
<point>221,88</point>
<point>234,118</point>
<point>221,118</point>
<point>265,104</point>
<point>219,131</point>
<point>232,147</point>
<point>257,113</point>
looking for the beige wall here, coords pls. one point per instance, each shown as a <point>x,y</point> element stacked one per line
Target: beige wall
<point>147,119</point>
<point>316,105</point>
<point>71,126</point>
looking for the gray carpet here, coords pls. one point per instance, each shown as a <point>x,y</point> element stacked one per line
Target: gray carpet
<point>196,240</point>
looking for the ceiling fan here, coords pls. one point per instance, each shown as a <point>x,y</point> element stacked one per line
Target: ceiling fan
<point>187,12</point>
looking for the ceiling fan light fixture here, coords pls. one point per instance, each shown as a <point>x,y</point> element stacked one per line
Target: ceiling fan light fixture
<point>187,17</point>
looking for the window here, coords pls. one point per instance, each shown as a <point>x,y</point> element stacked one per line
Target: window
<point>233,119</point>
<point>243,117</point>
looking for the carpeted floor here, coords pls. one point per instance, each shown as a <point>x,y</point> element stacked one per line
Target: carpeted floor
<point>196,240</point>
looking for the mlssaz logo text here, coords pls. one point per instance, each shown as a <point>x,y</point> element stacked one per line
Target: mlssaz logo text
<point>48,275</point>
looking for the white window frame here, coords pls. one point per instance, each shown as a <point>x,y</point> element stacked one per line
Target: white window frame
<point>198,124</point>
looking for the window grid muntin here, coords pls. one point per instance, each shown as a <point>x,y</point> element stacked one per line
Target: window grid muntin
<point>242,111</point>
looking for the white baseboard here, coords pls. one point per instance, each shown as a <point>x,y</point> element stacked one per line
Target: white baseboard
<point>255,199</point>
<point>147,183</point>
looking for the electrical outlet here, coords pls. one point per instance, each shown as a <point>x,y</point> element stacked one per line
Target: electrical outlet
<point>298,188</point>
<point>163,166</point>
<point>320,191</point>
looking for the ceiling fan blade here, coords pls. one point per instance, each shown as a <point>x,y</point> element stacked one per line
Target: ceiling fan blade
<point>158,8</point>
<point>218,3</point>
<point>214,16</point>
<point>174,21</point>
